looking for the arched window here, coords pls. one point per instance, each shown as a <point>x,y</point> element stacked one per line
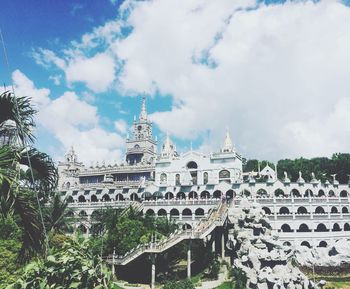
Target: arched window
<point>70,199</point>
<point>169,195</point>
<point>306,244</point>
<point>186,212</point>
<point>118,197</point>
<point>199,212</point>
<point>180,195</point>
<point>224,174</point>
<point>321,193</point>
<point>163,178</point>
<point>323,244</point>
<point>205,178</point>
<point>95,215</point>
<point>93,198</point>
<point>295,193</point>
<point>319,210</point>
<point>321,228</point>
<point>106,198</point>
<point>230,194</point>
<point>267,210</point>
<point>286,243</point>
<point>345,210</point>
<point>331,193</point>
<point>70,214</point>
<point>261,193</point>
<point>302,210</point>
<point>177,180</point>
<point>284,211</point>
<point>346,227</point>
<point>308,193</point>
<point>82,214</point>
<point>336,228</point>
<point>174,213</point>
<point>81,199</point>
<point>192,195</point>
<point>82,229</point>
<point>343,194</point>
<point>217,194</point>
<point>205,195</point>
<point>286,228</point>
<point>192,165</point>
<point>150,212</point>
<point>334,210</point>
<point>133,197</point>
<point>279,193</point>
<point>161,212</point>
<point>303,228</point>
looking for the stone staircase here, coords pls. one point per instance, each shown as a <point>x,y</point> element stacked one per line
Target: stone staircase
<point>136,206</point>
<point>201,231</point>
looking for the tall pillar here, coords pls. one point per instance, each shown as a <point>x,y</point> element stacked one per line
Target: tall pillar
<point>113,266</point>
<point>213,243</point>
<point>222,246</point>
<point>153,278</point>
<point>189,260</point>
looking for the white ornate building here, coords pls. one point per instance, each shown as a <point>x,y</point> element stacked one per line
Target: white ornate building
<point>189,186</point>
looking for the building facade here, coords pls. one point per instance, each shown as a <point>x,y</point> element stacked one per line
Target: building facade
<point>187,187</point>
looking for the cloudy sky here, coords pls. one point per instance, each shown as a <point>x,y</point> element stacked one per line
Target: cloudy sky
<point>276,74</point>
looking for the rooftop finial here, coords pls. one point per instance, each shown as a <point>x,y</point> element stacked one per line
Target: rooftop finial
<point>143,113</point>
<point>228,145</point>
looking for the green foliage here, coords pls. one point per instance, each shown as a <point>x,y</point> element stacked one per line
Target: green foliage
<point>184,284</point>
<point>69,266</point>
<point>9,250</point>
<point>123,232</point>
<point>240,278</point>
<point>323,167</point>
<point>55,215</point>
<point>20,111</point>
<point>214,269</point>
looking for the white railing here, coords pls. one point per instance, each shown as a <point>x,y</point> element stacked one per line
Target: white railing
<point>205,227</point>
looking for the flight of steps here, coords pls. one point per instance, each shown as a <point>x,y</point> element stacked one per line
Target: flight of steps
<point>202,230</point>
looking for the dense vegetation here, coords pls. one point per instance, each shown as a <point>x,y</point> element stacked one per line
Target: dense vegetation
<point>323,167</point>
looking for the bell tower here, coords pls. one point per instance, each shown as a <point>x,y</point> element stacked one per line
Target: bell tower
<point>141,147</point>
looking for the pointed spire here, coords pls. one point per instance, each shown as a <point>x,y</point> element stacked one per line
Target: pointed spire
<point>143,113</point>
<point>168,147</point>
<point>71,156</point>
<point>228,145</point>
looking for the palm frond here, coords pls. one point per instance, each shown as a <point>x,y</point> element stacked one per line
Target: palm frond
<point>44,169</point>
<point>33,237</point>
<point>19,110</point>
<point>55,215</point>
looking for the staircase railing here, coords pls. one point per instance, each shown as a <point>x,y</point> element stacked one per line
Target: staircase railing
<point>203,229</point>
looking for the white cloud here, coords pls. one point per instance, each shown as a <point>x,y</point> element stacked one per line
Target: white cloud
<point>72,122</point>
<point>56,79</point>
<point>25,87</point>
<point>96,72</point>
<point>276,75</point>
<point>121,126</point>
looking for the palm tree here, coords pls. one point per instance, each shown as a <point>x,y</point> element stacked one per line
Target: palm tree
<point>55,215</point>
<point>22,192</point>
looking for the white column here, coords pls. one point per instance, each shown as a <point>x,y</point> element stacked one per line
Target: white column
<point>189,261</point>
<point>222,246</point>
<point>153,281</point>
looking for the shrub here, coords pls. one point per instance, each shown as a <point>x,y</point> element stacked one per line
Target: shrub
<point>184,284</point>
<point>69,266</point>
